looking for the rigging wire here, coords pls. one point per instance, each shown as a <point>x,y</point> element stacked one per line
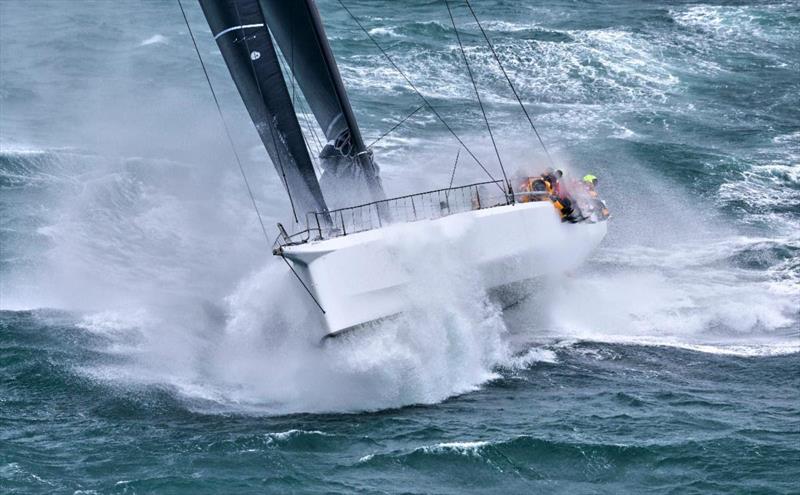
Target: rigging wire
<point>302,282</point>
<point>422,97</point>
<point>511,85</point>
<point>314,152</point>
<point>225,125</point>
<point>453,174</point>
<point>477,93</point>
<point>396,125</point>
<point>304,114</point>
<point>311,126</point>
<point>297,102</point>
<point>311,153</point>
<point>309,117</point>
<point>271,130</point>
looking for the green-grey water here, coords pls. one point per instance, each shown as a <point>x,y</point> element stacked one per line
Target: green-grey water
<point>149,343</point>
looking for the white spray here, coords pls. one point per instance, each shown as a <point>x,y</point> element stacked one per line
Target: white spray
<point>267,357</point>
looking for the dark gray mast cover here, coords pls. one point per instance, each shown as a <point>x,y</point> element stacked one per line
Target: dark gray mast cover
<point>348,166</point>
<point>245,43</point>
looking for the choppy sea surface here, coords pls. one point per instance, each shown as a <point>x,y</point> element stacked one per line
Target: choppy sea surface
<point>150,344</point>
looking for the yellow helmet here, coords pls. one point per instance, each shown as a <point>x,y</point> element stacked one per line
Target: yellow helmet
<point>591,179</point>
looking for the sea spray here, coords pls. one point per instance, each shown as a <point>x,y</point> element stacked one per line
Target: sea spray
<point>262,351</point>
<point>447,342</point>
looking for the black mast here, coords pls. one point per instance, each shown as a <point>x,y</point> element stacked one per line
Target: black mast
<point>245,43</point>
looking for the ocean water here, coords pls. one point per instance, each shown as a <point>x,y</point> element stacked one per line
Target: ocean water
<point>149,343</point>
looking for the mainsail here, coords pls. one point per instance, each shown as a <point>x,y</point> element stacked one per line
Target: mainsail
<point>244,30</point>
<point>244,40</point>
<point>298,31</point>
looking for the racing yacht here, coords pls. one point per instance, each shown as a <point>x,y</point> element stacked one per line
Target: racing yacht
<point>345,250</point>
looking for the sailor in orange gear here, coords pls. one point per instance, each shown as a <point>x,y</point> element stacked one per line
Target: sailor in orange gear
<point>551,179</point>
<point>560,197</point>
<point>568,212</point>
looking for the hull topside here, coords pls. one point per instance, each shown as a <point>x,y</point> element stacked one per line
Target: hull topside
<point>364,277</point>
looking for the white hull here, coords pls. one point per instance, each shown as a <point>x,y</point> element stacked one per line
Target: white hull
<point>359,278</point>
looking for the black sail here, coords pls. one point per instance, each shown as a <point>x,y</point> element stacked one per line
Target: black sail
<point>298,31</point>
<point>244,40</point>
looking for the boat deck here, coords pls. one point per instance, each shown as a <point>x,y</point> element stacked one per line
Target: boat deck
<point>428,205</point>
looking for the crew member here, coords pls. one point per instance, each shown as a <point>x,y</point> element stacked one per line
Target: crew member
<point>551,179</point>
<point>590,183</point>
<point>568,208</point>
<point>596,206</point>
<point>569,213</point>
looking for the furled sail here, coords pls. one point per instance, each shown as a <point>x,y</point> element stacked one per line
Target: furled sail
<point>244,40</point>
<point>347,164</point>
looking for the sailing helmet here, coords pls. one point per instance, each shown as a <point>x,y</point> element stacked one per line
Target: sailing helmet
<point>590,179</point>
